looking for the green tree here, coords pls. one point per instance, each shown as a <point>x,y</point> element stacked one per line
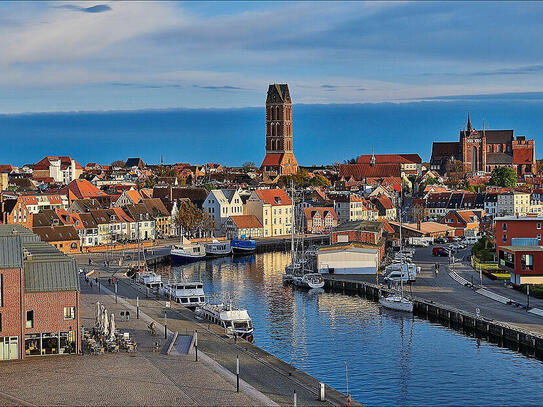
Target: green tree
<point>503,177</point>
<point>249,165</point>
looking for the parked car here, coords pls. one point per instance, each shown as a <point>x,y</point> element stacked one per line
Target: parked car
<point>436,250</point>
<point>440,240</point>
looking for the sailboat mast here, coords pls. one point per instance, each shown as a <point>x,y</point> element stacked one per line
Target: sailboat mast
<point>292,222</point>
<point>401,242</point>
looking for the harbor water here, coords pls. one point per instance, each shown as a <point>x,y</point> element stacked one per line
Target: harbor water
<point>389,358</point>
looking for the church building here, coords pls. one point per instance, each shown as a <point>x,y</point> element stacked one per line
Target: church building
<point>279,158</point>
<point>480,151</point>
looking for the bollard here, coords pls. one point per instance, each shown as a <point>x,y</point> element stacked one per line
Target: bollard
<point>137,307</point>
<point>295,399</point>
<point>98,285</point>
<point>322,395</point>
<point>196,343</point>
<point>237,373</point>
<point>115,292</point>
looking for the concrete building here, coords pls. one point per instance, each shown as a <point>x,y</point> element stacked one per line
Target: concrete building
<point>39,297</point>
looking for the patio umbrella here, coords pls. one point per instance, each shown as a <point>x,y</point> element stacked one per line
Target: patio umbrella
<point>106,324</point>
<point>112,327</point>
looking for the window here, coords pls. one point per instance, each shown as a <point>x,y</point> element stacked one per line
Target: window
<point>504,227</point>
<point>539,226</point>
<point>504,238</point>
<point>527,262</point>
<point>29,319</point>
<point>69,312</point>
<point>0,322</point>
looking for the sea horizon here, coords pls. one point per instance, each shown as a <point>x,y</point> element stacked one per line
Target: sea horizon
<point>178,133</point>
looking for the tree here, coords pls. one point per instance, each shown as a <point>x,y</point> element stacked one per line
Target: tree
<point>350,161</point>
<point>118,164</point>
<point>503,177</point>
<point>320,181</point>
<point>192,219</point>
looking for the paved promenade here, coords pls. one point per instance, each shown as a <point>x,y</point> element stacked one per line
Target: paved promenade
<point>122,379</point>
<point>265,373</point>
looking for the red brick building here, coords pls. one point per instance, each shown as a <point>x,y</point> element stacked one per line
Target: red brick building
<point>370,232</point>
<point>465,223</point>
<point>39,297</point>
<point>483,150</point>
<point>279,149</point>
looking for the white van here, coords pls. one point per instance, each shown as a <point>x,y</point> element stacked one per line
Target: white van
<point>399,272</point>
<point>471,239</point>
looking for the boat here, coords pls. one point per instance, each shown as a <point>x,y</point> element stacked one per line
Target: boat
<point>187,251</point>
<point>236,322</point>
<point>150,279</point>
<point>397,301</point>
<point>308,280</point>
<point>216,248</point>
<point>187,293</point>
<point>243,246</point>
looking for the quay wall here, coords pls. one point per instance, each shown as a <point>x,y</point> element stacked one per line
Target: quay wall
<point>504,334</point>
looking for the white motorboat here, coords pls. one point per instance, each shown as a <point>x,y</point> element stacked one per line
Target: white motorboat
<point>396,302</point>
<point>187,251</point>
<point>308,280</point>
<point>236,322</point>
<point>150,279</point>
<point>189,294</point>
<point>216,248</point>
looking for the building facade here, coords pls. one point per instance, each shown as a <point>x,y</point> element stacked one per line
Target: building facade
<point>279,158</point>
<point>481,151</point>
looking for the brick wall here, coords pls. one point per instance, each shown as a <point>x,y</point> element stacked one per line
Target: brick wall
<point>11,304</point>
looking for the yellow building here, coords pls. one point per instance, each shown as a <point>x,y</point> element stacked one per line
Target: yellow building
<point>273,208</point>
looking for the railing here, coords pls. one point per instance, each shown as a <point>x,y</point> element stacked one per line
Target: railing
<point>484,265</point>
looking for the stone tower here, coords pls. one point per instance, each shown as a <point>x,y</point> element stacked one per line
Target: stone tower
<point>279,147</point>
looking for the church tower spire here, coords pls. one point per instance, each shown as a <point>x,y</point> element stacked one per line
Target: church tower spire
<point>372,159</point>
<point>469,124</point>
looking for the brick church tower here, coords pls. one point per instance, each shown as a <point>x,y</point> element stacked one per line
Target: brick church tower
<point>279,158</point>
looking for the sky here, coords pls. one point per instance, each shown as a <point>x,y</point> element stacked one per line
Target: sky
<point>73,56</point>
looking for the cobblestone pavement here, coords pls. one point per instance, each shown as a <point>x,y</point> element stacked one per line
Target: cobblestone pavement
<point>123,379</point>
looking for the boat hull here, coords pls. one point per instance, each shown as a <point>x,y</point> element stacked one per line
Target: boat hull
<point>243,246</point>
<point>396,304</point>
<point>184,258</point>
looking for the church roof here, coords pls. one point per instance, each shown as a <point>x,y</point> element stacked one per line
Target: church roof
<point>360,171</point>
<point>278,93</point>
<point>390,158</point>
<point>273,159</point>
<point>445,149</point>
<point>499,158</point>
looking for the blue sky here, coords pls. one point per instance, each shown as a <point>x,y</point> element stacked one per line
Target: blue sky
<point>70,56</point>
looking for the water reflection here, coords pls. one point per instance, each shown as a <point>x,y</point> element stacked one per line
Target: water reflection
<point>393,358</point>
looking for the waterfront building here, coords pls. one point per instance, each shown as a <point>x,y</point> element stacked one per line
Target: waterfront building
<point>348,206</point>
<point>220,204</point>
<point>163,219</point>
<point>370,232</point>
<point>39,297</point>
<point>519,247</point>
<point>319,219</point>
<point>348,258</point>
<point>143,226</point>
<point>279,159</point>
<point>480,151</point>
<point>57,169</point>
<point>273,209</point>
<point>64,237</point>
<point>243,226</point>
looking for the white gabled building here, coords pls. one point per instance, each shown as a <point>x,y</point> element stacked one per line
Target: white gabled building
<point>221,204</point>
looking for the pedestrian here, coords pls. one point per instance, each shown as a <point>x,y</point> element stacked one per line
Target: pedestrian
<point>109,281</point>
<point>90,261</point>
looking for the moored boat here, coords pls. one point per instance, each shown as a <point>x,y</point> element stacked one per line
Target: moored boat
<point>308,280</point>
<point>236,322</point>
<point>187,251</point>
<point>396,302</point>
<point>187,293</point>
<point>243,246</point>
<point>217,248</point>
<point>150,279</point>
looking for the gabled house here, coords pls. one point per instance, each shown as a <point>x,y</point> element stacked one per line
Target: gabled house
<point>163,219</point>
<point>464,222</point>
<point>273,208</point>
<point>319,219</point>
<point>221,204</point>
<point>130,197</point>
<point>243,226</point>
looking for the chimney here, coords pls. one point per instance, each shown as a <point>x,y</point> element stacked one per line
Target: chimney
<point>418,225</point>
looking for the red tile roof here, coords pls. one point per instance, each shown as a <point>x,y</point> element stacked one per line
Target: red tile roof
<point>84,189</point>
<point>390,159</point>
<point>274,196</point>
<point>323,211</point>
<point>246,222</point>
<point>272,159</point>
<point>360,171</point>
<point>65,162</point>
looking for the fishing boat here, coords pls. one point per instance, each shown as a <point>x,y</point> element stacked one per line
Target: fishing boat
<point>216,248</point>
<point>236,322</point>
<point>397,301</point>
<point>243,246</point>
<point>187,293</point>
<point>150,279</point>
<point>187,251</point>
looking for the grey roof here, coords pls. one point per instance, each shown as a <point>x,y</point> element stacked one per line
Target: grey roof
<point>11,254</point>
<point>229,194</point>
<point>371,226</point>
<point>499,158</point>
<point>53,275</point>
